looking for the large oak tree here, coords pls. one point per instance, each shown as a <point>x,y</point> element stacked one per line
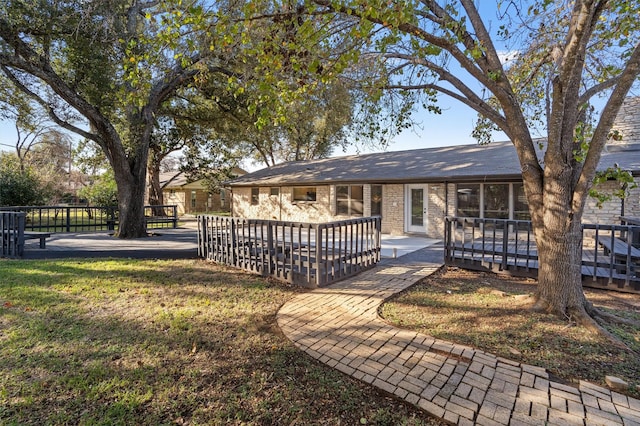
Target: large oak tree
<point>564,54</point>
<point>103,68</point>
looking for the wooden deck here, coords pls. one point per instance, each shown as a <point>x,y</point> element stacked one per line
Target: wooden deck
<point>595,273</point>
<point>302,253</point>
<point>602,267</point>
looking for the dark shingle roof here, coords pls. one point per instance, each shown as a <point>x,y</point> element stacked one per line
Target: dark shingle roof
<point>495,161</point>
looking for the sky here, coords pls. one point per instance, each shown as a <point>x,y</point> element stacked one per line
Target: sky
<point>452,127</point>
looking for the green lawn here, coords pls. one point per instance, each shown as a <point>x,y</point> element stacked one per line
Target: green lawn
<point>163,342</point>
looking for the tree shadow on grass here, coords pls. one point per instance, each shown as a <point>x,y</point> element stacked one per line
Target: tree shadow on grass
<point>461,307</point>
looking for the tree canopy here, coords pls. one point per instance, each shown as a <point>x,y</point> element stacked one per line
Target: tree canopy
<point>107,70</point>
<point>103,68</point>
<point>19,186</point>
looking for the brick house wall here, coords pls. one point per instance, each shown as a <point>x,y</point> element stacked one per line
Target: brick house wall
<point>393,209</point>
<point>441,202</point>
<point>281,206</point>
<point>436,210</point>
<point>204,202</point>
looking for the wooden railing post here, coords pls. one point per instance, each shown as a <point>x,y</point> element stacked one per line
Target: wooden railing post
<point>202,235</point>
<point>234,242</point>
<point>505,245</point>
<point>68,219</point>
<point>319,262</point>
<point>175,216</point>
<point>22,219</point>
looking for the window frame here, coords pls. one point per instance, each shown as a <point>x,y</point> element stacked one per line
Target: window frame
<point>380,203</point>
<point>254,198</point>
<point>309,197</point>
<point>194,198</point>
<point>511,202</point>
<point>350,201</point>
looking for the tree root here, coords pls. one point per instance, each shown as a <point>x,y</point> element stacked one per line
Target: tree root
<point>583,318</point>
<point>589,317</point>
<point>604,316</point>
<point>540,305</point>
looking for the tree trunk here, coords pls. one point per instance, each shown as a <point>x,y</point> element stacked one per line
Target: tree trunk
<point>559,274</point>
<point>156,197</point>
<point>131,176</point>
<point>559,240</point>
<point>131,206</point>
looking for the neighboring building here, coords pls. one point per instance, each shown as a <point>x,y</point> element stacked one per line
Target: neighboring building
<point>414,190</point>
<point>193,196</point>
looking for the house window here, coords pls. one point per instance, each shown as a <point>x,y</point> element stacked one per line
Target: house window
<point>376,200</point>
<point>349,200</point>
<point>304,193</point>
<point>275,191</point>
<point>468,200</point>
<point>520,205</point>
<point>193,200</point>
<point>496,201</point>
<point>492,201</point>
<point>255,196</point>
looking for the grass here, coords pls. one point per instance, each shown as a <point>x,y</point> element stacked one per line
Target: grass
<point>485,311</point>
<point>163,342</point>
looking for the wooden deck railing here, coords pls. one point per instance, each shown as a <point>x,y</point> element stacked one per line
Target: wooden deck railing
<point>11,234</point>
<point>609,257</point>
<point>308,254</point>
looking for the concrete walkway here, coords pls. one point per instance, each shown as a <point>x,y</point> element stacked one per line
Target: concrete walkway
<point>180,243</point>
<point>339,325</point>
<point>165,243</point>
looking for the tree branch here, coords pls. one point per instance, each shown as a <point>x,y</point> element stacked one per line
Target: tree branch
<point>50,112</point>
<point>598,88</point>
<point>467,96</point>
<point>490,53</point>
<point>415,31</point>
<point>27,60</point>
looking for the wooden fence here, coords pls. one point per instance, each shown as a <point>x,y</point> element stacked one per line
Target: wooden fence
<point>308,254</point>
<point>88,218</point>
<point>12,234</point>
<point>609,257</point>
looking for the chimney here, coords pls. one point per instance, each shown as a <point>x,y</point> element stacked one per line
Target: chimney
<point>627,123</point>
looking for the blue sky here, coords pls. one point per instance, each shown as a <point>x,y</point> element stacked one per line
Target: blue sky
<point>452,127</point>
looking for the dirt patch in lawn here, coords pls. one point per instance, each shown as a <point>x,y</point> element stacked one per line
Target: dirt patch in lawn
<point>489,312</point>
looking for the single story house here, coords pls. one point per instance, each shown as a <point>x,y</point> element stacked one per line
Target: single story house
<point>193,196</point>
<point>414,190</point>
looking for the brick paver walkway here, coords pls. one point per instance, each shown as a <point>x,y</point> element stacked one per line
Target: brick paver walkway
<point>339,325</point>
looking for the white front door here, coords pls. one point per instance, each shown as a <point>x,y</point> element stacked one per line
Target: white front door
<point>416,208</point>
